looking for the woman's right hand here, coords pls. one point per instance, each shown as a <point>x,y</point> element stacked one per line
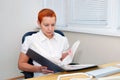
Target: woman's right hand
<point>45,70</point>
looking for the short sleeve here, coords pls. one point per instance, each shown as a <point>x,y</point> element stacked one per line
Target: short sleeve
<point>26,44</point>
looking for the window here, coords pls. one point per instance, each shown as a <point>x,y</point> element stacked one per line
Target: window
<point>88,12</point>
<point>87,16</point>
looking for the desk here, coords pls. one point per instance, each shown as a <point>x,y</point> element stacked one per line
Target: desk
<point>54,76</point>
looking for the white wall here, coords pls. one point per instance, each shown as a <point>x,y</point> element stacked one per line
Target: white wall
<point>19,16</point>
<point>96,49</point>
<point>16,17</point>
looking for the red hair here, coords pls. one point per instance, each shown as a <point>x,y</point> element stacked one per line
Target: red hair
<point>46,13</point>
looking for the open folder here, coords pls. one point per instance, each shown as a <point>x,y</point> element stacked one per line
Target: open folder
<point>52,65</point>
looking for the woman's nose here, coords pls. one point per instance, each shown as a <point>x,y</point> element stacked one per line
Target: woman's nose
<point>50,27</point>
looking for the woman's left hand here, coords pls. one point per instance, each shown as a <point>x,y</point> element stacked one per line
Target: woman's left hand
<point>69,52</point>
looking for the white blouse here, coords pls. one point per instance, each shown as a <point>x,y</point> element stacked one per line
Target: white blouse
<point>52,48</point>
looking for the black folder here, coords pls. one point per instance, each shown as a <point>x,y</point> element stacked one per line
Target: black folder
<point>44,61</point>
<point>50,65</point>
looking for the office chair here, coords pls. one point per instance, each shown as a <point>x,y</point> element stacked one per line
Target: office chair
<point>30,74</point>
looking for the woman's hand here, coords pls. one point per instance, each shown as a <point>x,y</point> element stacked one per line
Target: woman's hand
<point>69,52</point>
<point>44,70</point>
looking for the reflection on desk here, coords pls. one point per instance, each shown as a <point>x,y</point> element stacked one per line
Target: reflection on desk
<point>75,76</point>
<point>54,76</point>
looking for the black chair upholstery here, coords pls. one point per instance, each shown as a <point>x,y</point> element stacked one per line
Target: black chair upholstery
<point>30,74</point>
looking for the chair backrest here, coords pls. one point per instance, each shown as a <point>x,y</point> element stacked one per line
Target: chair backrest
<point>30,74</point>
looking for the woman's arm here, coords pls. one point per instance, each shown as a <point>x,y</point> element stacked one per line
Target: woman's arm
<point>25,66</point>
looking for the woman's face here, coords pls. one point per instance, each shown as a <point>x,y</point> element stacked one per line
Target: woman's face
<point>48,26</point>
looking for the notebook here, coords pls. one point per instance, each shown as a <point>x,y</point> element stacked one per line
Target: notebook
<point>56,66</point>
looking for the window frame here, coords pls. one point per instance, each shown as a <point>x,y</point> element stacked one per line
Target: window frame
<point>111,29</point>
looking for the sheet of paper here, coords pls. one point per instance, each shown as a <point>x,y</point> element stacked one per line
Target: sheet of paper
<point>78,66</point>
<point>70,57</point>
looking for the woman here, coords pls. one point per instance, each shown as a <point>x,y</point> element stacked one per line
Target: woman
<point>53,44</point>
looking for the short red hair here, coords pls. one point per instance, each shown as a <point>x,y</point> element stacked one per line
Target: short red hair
<point>46,13</point>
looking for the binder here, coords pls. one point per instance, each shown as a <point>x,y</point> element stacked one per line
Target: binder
<point>44,61</point>
<point>54,67</point>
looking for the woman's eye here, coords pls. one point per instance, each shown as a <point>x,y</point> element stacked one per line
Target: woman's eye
<point>53,25</point>
<point>49,25</point>
<point>46,25</point>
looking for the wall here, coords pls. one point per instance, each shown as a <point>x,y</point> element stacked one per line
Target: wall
<point>16,18</point>
<point>95,48</point>
<point>19,16</point>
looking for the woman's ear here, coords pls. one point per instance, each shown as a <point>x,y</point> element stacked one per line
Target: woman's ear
<point>38,23</point>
